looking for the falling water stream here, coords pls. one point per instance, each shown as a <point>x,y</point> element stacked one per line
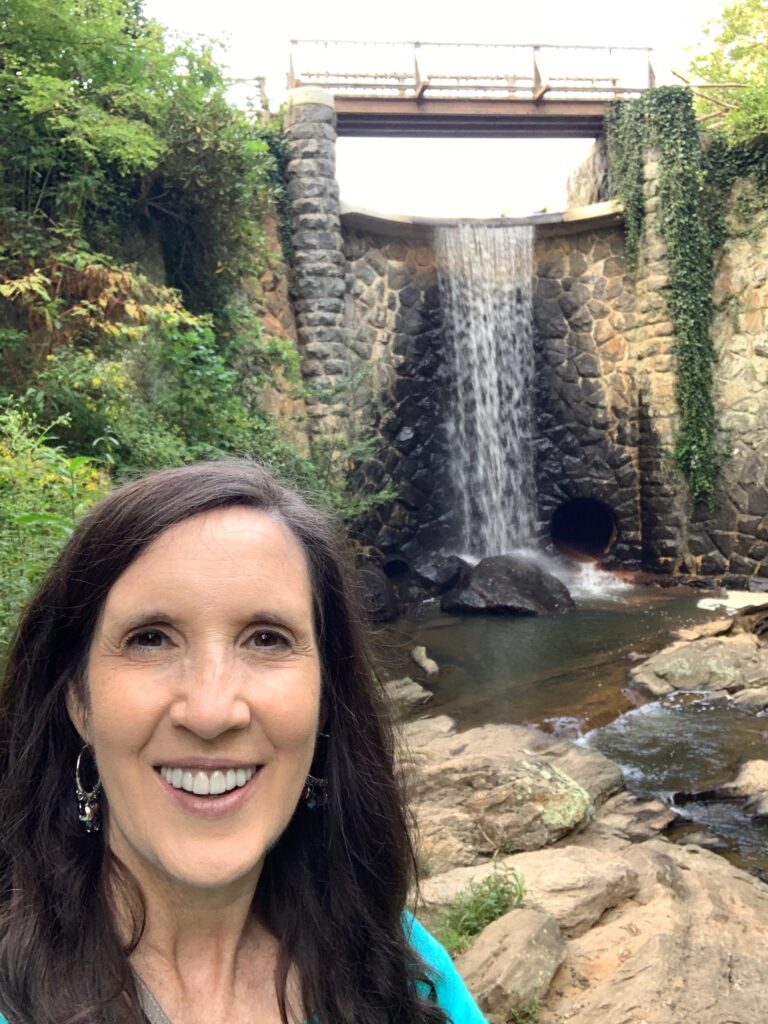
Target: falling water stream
<point>485,276</point>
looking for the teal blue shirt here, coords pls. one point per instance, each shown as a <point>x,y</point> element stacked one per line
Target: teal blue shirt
<point>452,994</point>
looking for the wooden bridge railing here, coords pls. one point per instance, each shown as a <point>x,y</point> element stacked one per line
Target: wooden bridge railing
<point>470,70</point>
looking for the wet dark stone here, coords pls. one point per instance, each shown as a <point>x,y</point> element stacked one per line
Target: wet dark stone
<point>552,266</point>
<point>409,297</point>
<point>741,565</point>
<point>722,541</point>
<point>757,502</point>
<point>587,364</point>
<point>441,571</point>
<point>581,320</point>
<point>508,584</point>
<point>547,288</point>
<point>712,563</point>
<point>377,594</point>
<point>549,319</point>
<point>406,440</point>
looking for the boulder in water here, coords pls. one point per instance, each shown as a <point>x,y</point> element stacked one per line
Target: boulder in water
<point>406,694</point>
<point>509,584</point>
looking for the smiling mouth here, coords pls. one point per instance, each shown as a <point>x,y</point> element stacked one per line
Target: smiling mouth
<point>208,783</point>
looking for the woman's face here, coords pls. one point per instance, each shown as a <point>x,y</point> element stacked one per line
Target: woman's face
<point>204,698</point>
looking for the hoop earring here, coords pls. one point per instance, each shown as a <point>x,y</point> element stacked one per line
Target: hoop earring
<point>88,804</point>
<point>315,792</point>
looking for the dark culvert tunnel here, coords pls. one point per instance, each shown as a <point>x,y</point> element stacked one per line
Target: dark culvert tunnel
<point>584,529</point>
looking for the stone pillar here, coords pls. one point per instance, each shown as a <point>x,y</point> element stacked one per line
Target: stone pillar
<point>318,261</point>
<point>662,488</point>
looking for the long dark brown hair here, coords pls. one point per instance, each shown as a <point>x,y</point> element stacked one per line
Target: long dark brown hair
<point>333,887</point>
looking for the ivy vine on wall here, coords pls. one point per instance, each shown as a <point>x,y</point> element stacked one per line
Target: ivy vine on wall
<point>663,119</point>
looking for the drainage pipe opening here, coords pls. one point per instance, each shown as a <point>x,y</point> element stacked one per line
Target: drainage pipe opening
<point>584,528</point>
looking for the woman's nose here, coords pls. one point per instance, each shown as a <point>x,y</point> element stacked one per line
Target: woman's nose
<point>210,700</point>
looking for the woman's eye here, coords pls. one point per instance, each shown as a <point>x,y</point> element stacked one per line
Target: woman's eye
<point>268,638</point>
<point>147,638</point>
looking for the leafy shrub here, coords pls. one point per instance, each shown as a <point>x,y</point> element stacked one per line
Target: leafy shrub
<point>43,492</point>
<point>478,905</point>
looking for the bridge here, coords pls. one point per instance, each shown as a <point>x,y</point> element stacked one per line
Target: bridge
<point>476,90</point>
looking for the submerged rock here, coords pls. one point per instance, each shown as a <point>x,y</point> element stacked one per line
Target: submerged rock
<point>511,584</point>
<point>427,665</point>
<point>749,787</point>
<point>407,694</point>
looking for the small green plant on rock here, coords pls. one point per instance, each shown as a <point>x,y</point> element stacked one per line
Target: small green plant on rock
<point>528,1014</point>
<point>478,905</point>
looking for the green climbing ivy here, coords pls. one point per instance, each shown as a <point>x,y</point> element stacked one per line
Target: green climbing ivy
<point>663,119</point>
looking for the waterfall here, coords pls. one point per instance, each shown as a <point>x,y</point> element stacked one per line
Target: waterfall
<point>485,277</point>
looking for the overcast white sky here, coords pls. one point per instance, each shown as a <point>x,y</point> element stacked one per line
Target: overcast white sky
<point>443,177</point>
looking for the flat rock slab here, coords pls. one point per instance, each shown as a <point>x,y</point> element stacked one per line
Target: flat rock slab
<point>721,663</point>
<point>572,884</point>
<point>688,948</point>
<point>511,962</point>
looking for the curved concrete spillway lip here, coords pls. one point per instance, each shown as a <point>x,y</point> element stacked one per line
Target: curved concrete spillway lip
<point>578,218</point>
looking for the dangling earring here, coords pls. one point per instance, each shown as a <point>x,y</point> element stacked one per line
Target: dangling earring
<point>315,792</point>
<point>89,807</point>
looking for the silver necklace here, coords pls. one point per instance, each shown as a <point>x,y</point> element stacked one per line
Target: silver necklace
<point>153,1011</point>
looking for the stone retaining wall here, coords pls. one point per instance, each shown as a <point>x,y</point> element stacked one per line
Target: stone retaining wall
<point>368,310</point>
<point>393,317</point>
<point>586,405</point>
<point>734,540</point>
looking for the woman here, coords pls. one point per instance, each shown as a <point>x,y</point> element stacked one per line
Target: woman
<point>199,818</point>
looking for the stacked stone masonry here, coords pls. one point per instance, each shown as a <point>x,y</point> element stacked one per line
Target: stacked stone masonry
<point>368,310</point>
<point>734,540</point>
<point>394,322</point>
<point>586,405</point>
<point>319,268</point>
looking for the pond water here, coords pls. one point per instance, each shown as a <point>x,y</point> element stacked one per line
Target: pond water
<point>568,674</point>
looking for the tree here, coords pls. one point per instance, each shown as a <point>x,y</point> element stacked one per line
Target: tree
<point>738,57</point>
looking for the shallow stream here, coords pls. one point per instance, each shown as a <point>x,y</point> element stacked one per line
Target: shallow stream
<point>568,674</point>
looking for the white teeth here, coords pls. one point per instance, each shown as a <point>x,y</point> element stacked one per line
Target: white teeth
<point>218,784</point>
<point>207,783</point>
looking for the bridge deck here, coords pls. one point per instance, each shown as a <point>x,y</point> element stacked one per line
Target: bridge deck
<point>488,91</point>
<point>487,119</point>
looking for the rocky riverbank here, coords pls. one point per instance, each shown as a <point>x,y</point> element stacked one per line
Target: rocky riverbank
<point>619,925</point>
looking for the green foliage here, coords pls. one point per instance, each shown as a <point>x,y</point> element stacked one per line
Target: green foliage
<point>115,141</point>
<point>723,164</point>
<point>272,133</point>
<point>108,131</point>
<point>737,54</point>
<point>478,905</point>
<point>43,492</point>
<point>625,127</point>
<point>167,397</point>
<point>528,1014</point>
<point>663,119</point>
